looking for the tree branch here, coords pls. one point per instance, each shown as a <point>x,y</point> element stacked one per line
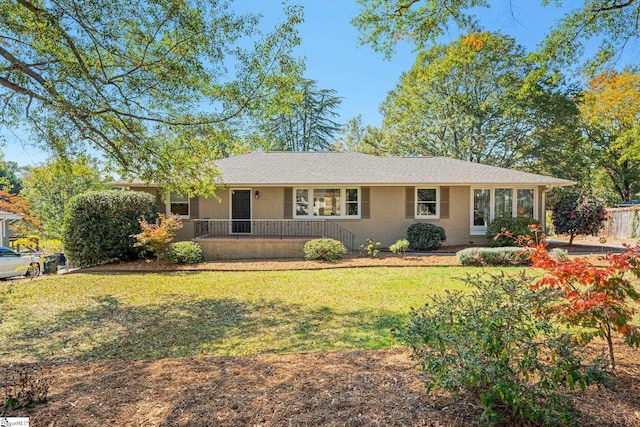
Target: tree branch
<point>55,22</point>
<point>613,7</point>
<point>19,89</point>
<point>402,7</point>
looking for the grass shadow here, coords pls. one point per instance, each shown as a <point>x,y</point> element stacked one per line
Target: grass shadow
<point>108,328</point>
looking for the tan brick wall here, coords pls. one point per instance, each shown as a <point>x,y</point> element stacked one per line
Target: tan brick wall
<point>220,248</point>
<point>388,223</point>
<point>186,232</point>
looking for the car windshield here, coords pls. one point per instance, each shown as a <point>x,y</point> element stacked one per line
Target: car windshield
<point>8,252</point>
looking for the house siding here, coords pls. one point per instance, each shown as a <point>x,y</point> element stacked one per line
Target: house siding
<point>387,222</point>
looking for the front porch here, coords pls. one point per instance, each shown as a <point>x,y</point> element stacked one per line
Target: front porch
<point>260,239</point>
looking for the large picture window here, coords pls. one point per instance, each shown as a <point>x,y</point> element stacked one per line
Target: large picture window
<point>491,203</point>
<point>327,202</point>
<point>179,205</point>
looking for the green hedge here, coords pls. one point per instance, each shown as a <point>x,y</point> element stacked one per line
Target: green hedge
<point>99,225</point>
<point>493,256</point>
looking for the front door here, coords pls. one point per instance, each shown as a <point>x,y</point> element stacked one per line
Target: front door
<point>241,211</point>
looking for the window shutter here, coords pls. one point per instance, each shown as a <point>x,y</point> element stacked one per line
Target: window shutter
<point>444,202</point>
<point>410,210</point>
<point>163,207</point>
<point>365,204</point>
<point>288,203</point>
<point>194,206</point>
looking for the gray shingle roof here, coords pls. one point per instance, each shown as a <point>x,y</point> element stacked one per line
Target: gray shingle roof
<point>312,168</point>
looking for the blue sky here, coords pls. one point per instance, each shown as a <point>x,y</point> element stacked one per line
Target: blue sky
<point>360,76</point>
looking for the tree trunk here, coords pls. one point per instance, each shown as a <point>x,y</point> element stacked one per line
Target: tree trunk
<point>612,360</point>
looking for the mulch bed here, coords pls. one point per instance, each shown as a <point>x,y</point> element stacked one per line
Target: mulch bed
<point>444,256</point>
<point>350,388</point>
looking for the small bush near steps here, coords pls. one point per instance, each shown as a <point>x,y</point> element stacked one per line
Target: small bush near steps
<point>324,250</point>
<point>184,253</point>
<point>370,248</point>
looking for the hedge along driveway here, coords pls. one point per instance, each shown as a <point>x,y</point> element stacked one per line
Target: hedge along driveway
<point>132,316</point>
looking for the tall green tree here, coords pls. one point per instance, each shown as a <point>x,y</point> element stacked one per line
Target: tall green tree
<point>611,118</point>
<point>613,24</point>
<point>49,188</point>
<point>471,100</point>
<point>9,173</point>
<point>130,78</point>
<point>355,136</point>
<point>305,124</point>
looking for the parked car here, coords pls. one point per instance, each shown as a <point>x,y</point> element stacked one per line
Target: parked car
<point>13,264</point>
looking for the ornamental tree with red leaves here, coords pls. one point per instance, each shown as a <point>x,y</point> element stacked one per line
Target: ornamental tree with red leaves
<point>600,300</point>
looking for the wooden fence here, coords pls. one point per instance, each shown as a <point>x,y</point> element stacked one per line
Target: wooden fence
<point>623,223</point>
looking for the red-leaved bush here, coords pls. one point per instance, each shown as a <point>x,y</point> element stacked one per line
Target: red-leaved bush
<point>601,300</point>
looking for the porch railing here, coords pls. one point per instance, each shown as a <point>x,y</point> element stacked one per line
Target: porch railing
<point>274,228</point>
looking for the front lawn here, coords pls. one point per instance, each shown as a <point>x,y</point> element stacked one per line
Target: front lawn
<point>152,316</point>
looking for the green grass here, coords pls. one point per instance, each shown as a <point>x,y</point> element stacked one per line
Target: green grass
<point>131,316</point>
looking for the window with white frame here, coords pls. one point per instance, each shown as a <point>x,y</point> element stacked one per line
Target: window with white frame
<point>178,205</point>
<point>352,202</point>
<point>327,202</point>
<point>302,202</point>
<point>427,203</point>
<point>490,203</point>
<point>481,215</point>
<point>525,205</point>
<point>503,202</point>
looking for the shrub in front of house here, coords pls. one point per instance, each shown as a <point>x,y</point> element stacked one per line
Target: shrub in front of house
<point>99,226</point>
<point>324,250</point>
<point>425,237</point>
<point>504,256</point>
<point>513,226</point>
<point>489,345</point>
<point>400,247</point>
<point>184,253</point>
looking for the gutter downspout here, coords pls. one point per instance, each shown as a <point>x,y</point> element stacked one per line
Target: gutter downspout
<point>544,208</point>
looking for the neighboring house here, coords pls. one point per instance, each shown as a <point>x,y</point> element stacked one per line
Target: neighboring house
<point>6,218</point>
<point>268,201</point>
